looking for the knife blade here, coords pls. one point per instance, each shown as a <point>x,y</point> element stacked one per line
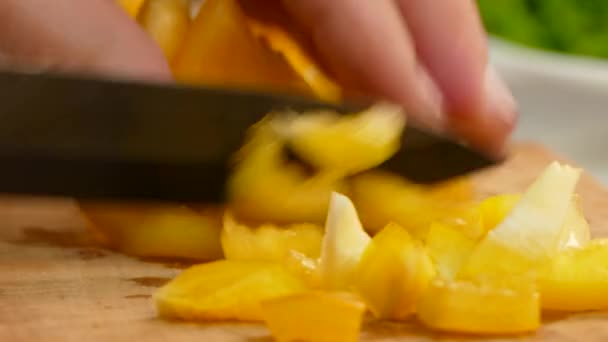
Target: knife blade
<point>66,135</point>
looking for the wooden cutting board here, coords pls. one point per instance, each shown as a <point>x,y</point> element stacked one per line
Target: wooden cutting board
<point>57,285</point>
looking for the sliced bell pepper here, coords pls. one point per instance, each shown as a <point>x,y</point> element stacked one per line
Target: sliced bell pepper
<point>168,231</point>
<point>449,247</point>
<point>383,197</point>
<point>315,316</point>
<point>269,242</point>
<point>350,144</point>
<point>265,187</point>
<point>577,279</point>
<point>305,267</point>
<point>531,233</point>
<point>225,290</point>
<point>393,273</point>
<point>575,231</point>
<point>220,49</point>
<point>496,208</point>
<point>302,63</point>
<point>167,22</point>
<point>343,244</point>
<point>480,309</point>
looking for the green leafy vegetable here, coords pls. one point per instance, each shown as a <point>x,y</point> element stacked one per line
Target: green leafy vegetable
<point>570,26</point>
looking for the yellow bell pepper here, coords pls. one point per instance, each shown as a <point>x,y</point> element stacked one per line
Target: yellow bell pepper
<point>494,209</point>
<point>225,290</point>
<point>315,316</point>
<point>168,231</point>
<point>576,279</point>
<point>451,241</point>
<point>531,233</point>
<point>132,7</point>
<point>468,219</point>
<point>269,242</point>
<point>449,247</point>
<point>382,197</point>
<point>349,144</point>
<point>479,309</point>
<point>167,22</point>
<point>575,230</point>
<point>305,268</point>
<point>343,244</point>
<point>265,187</point>
<point>394,272</point>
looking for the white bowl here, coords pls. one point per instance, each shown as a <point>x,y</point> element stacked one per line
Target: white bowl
<point>563,101</point>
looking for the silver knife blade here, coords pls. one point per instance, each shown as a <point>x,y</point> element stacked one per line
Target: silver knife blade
<point>65,135</point>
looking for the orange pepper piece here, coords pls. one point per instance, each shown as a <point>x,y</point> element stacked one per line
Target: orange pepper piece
<point>220,49</point>
<point>315,316</point>
<point>303,63</point>
<point>167,22</point>
<point>132,7</point>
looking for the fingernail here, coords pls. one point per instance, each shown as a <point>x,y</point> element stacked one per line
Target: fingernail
<point>499,102</point>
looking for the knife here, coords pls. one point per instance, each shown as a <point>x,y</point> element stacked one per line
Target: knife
<point>66,135</point>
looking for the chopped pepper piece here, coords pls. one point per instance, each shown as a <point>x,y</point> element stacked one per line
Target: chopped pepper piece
<point>496,208</point>
<point>351,143</point>
<point>269,242</point>
<point>265,187</point>
<point>468,220</point>
<point>577,279</point>
<point>167,22</point>
<point>530,234</point>
<point>449,247</point>
<point>220,49</point>
<point>300,60</point>
<point>306,268</point>
<point>225,290</point>
<point>480,309</point>
<point>132,7</point>
<point>171,231</point>
<point>393,273</point>
<point>383,197</point>
<point>575,231</point>
<point>315,316</point>
<point>343,244</point>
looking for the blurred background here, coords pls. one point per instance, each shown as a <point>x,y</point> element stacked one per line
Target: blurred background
<point>554,56</point>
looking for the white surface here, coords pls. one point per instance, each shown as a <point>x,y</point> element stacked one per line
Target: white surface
<point>563,102</point>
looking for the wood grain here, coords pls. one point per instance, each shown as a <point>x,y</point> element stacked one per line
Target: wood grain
<point>56,284</point>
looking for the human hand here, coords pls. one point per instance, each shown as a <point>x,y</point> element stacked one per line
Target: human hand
<point>94,36</point>
<point>429,56</point>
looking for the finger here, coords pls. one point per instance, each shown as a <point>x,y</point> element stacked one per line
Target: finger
<point>367,46</point>
<point>450,42</point>
<point>93,36</point>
